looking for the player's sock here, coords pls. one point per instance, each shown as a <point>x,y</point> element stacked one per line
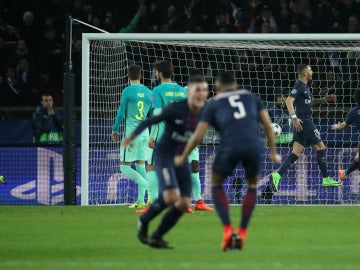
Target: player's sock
<point>248,207</point>
<point>135,176</point>
<point>321,160</point>
<point>168,221</point>
<point>287,163</point>
<point>196,186</point>
<point>353,166</point>
<point>140,168</point>
<point>153,185</point>
<point>154,209</point>
<point>221,204</point>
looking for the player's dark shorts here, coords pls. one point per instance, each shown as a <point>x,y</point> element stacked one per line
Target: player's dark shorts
<point>170,176</point>
<point>309,135</point>
<point>226,160</point>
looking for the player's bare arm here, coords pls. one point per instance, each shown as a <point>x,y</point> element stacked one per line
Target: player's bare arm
<point>296,121</point>
<point>114,136</point>
<point>195,140</point>
<point>265,120</point>
<point>326,99</point>
<point>339,126</point>
<point>126,141</point>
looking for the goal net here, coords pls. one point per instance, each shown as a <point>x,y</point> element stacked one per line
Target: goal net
<point>265,65</point>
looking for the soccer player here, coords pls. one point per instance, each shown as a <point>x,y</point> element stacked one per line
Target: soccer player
<point>235,114</point>
<point>135,105</point>
<point>167,92</point>
<point>2,179</point>
<point>163,94</point>
<point>193,159</point>
<point>174,181</point>
<point>305,132</point>
<point>352,118</point>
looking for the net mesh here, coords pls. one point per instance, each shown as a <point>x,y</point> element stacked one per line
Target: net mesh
<point>267,68</point>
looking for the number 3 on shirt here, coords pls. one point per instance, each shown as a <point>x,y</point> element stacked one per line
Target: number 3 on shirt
<point>140,106</point>
<point>234,102</point>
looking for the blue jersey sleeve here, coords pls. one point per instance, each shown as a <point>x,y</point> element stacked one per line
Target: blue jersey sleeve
<point>259,103</point>
<point>121,110</point>
<point>296,91</point>
<point>207,114</point>
<point>164,115</point>
<point>350,117</point>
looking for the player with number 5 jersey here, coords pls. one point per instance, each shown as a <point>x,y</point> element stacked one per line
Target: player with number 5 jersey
<point>135,106</point>
<point>236,115</point>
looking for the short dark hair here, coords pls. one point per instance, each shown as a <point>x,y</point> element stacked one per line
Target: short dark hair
<point>226,78</point>
<point>45,95</point>
<point>195,72</point>
<point>301,68</point>
<point>356,96</point>
<point>198,78</point>
<point>134,72</point>
<point>165,67</point>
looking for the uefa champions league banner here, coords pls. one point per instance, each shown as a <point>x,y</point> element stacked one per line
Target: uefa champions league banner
<point>35,177</point>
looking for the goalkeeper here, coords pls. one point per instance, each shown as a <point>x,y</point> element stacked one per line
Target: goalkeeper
<point>135,106</point>
<point>352,118</point>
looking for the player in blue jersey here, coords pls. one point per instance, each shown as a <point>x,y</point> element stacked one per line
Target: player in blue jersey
<point>165,93</point>
<point>305,132</point>
<point>352,118</point>
<point>193,159</point>
<point>235,114</point>
<point>174,181</point>
<point>134,107</point>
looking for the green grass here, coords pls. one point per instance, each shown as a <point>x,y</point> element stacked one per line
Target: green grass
<point>279,237</point>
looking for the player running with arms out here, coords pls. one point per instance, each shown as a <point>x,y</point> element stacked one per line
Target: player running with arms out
<point>235,114</point>
<point>135,105</point>
<point>174,181</point>
<point>168,92</point>
<point>352,118</point>
<point>305,132</point>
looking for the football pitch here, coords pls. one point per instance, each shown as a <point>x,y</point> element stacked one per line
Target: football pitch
<point>98,237</point>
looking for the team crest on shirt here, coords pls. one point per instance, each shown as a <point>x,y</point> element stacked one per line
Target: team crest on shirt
<point>294,91</point>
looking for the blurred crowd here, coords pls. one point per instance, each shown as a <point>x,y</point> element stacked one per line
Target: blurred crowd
<point>32,32</point>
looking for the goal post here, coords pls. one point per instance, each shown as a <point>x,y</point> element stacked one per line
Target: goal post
<point>264,64</point>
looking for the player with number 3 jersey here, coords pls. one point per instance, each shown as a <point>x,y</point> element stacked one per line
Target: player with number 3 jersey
<point>135,106</point>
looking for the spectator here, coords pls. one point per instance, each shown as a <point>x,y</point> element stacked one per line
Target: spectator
<point>29,30</point>
<point>25,79</point>
<point>174,20</point>
<point>353,24</point>
<point>154,18</point>
<point>294,28</point>
<point>347,8</point>
<point>47,122</point>
<point>22,51</point>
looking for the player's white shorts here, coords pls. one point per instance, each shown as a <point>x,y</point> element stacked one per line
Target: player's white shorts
<point>194,155</point>
<point>137,150</point>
